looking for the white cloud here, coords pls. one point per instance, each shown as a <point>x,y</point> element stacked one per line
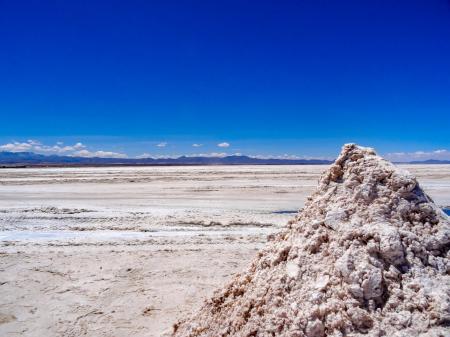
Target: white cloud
<point>162,144</point>
<point>197,145</point>
<point>98,154</point>
<point>16,147</point>
<point>34,142</point>
<point>224,144</point>
<point>440,154</point>
<point>78,146</point>
<point>209,155</point>
<point>58,149</point>
<point>144,155</point>
<point>77,149</point>
<point>166,156</point>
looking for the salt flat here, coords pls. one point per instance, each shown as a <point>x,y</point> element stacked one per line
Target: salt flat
<point>115,251</point>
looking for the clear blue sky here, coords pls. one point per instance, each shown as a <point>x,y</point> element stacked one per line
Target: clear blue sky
<point>267,77</point>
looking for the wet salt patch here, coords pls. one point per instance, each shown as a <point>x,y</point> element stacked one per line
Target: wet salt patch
<point>286,211</point>
<point>101,235</point>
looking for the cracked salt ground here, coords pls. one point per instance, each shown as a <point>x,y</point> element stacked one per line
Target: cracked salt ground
<point>100,235</point>
<point>367,256</point>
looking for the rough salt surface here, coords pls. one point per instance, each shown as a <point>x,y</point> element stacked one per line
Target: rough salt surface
<point>367,256</point>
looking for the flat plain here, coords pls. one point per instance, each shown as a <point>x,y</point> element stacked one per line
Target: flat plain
<point>119,251</point>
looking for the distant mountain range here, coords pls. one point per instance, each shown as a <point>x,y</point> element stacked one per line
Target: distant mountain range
<point>15,159</point>
<point>430,161</point>
<point>26,159</point>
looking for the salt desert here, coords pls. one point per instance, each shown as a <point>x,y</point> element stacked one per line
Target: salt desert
<point>119,251</point>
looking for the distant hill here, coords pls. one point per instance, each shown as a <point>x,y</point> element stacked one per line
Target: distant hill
<point>15,159</point>
<point>26,159</point>
<point>430,161</point>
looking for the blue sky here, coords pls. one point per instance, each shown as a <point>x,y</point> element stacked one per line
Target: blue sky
<point>269,78</point>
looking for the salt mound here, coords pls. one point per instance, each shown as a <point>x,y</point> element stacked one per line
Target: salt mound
<point>367,256</point>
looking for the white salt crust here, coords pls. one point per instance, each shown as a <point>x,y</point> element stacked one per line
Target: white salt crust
<point>367,256</point>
